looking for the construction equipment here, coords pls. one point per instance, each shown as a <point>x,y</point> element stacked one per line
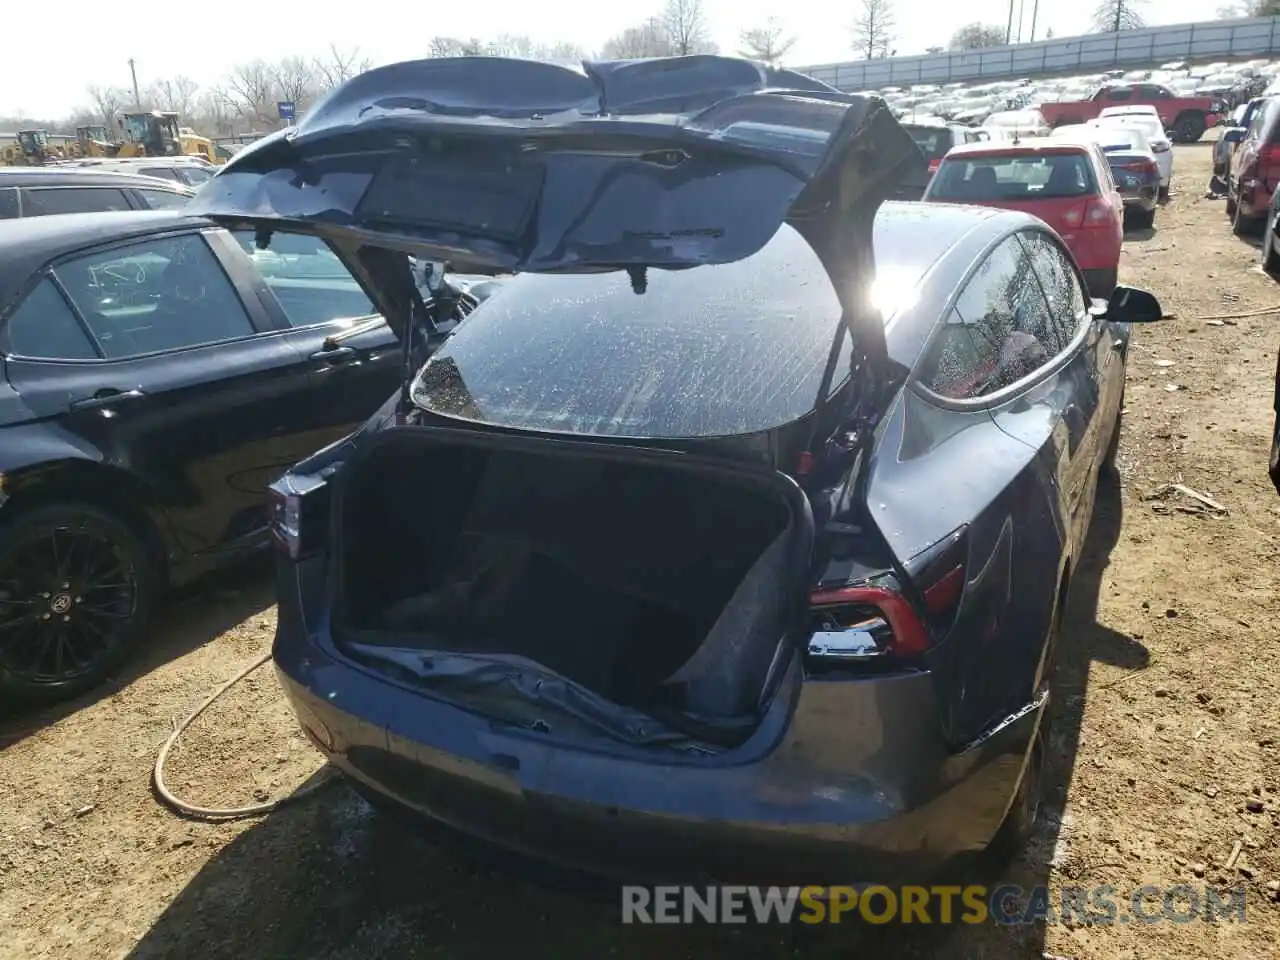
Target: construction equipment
<point>94,141</point>
<point>34,147</point>
<point>194,145</point>
<point>152,134</point>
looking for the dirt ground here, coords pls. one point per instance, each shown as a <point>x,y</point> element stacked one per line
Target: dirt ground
<point>1166,722</point>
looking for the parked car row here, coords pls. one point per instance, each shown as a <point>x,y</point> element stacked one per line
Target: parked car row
<point>1190,98</point>
<point>619,537</point>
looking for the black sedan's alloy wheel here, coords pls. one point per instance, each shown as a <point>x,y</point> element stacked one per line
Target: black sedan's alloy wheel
<point>76,586</point>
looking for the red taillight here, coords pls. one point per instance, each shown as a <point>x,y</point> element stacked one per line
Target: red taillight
<point>1095,212</point>
<point>935,164</point>
<point>865,623</point>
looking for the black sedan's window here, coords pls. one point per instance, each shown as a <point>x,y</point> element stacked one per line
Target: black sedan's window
<point>708,351</point>
<point>44,328</point>
<point>311,284</point>
<point>161,294</point>
<point>1000,331</point>
<point>39,201</point>
<point>163,199</point>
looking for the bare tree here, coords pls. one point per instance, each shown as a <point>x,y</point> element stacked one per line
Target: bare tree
<point>1112,16</point>
<point>106,103</point>
<point>686,24</point>
<point>648,39</point>
<point>338,66</point>
<point>976,36</point>
<point>873,28</point>
<point>768,43</point>
<point>295,82</point>
<point>177,95</point>
<point>250,91</point>
<point>453,47</point>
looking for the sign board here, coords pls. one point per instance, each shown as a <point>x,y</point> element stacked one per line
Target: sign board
<point>285,108</point>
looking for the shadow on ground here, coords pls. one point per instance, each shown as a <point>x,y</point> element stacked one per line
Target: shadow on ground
<point>184,620</point>
<point>330,879</point>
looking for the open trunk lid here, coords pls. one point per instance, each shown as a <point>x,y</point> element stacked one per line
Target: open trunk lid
<point>499,165</point>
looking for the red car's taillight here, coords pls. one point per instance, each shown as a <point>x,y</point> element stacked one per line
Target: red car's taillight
<point>299,515</point>
<point>934,164</point>
<point>1095,212</point>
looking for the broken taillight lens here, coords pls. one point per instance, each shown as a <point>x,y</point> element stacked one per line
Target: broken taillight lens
<point>864,623</point>
<point>299,515</point>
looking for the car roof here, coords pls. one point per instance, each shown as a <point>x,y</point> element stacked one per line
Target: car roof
<point>80,177</point>
<point>28,243</point>
<point>901,245</point>
<point>1028,145</point>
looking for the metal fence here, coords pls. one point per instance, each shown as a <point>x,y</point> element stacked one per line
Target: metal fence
<point>1150,46</point>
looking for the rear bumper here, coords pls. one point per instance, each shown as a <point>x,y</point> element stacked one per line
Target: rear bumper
<point>1254,198</point>
<point>1145,199</point>
<point>853,785</point>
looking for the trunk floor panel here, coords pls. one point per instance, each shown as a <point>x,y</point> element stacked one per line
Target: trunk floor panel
<point>634,579</point>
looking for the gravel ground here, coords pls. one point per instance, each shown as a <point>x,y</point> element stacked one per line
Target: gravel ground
<point>1167,727</point>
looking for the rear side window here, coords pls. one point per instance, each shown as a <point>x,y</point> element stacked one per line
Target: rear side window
<point>163,199</point>
<point>194,176</point>
<point>997,333</point>
<point>41,201</point>
<point>43,327</point>
<point>8,204</point>
<point>1119,94</point>
<point>164,173</point>
<point>1062,290</point>
<point>311,284</point>
<point>161,294</point>
<point>1152,91</point>
<point>1022,176</point>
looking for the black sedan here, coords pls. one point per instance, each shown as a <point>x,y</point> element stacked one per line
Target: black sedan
<point>695,550</point>
<point>156,373</point>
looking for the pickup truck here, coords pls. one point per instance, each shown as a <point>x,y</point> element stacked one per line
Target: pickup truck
<point>1187,118</point>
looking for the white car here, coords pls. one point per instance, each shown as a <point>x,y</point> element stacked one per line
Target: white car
<point>1024,124</point>
<point>1147,122</point>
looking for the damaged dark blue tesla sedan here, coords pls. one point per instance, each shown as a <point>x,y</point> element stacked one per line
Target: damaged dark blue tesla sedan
<point>729,539</point>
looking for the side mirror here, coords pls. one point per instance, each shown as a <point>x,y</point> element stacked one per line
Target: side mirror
<point>1234,135</point>
<point>1129,305</point>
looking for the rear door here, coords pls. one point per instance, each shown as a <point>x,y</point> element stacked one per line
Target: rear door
<point>156,353</point>
<point>352,356</point>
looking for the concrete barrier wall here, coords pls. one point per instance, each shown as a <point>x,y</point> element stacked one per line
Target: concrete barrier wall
<point>1150,46</point>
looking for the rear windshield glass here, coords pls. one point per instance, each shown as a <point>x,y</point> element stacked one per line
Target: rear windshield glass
<point>933,142</point>
<point>1013,177</point>
<point>708,351</point>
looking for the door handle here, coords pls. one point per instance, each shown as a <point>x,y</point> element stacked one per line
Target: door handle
<point>105,397</point>
<point>335,356</point>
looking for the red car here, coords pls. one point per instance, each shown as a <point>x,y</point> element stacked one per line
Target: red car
<point>1255,170</point>
<point>1187,117</point>
<point>1065,183</point>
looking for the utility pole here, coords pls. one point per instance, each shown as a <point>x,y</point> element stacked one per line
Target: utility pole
<point>1119,13</point>
<point>1008,33</point>
<point>1035,12</point>
<point>137,100</point>
<point>1021,9</point>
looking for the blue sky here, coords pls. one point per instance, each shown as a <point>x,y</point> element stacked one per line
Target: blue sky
<point>203,41</point>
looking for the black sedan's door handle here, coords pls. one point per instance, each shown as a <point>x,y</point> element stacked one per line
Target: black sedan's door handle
<point>105,397</point>
<point>335,356</point>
